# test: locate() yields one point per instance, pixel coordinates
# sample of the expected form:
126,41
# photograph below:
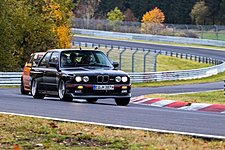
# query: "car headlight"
118,79
124,79
78,79
85,78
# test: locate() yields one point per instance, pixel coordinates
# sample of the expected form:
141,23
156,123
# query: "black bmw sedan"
81,74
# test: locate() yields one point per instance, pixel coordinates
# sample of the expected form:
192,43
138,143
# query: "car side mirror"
115,64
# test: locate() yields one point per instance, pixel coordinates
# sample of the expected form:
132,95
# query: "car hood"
93,72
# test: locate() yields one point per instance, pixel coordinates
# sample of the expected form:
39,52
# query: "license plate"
103,87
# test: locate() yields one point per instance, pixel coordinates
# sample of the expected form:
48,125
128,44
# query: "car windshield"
78,58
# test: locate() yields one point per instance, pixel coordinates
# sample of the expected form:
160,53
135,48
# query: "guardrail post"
216,30
145,59
120,58
201,31
133,59
107,53
155,61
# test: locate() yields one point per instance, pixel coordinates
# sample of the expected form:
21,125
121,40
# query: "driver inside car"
63,60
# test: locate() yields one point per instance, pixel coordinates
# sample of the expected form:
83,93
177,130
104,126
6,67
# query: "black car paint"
49,76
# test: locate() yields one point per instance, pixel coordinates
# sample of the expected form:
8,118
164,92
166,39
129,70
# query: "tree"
129,15
199,12
152,21
222,12
86,9
59,16
26,27
107,5
115,15
214,7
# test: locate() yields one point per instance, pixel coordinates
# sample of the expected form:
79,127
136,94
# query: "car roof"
61,50
39,53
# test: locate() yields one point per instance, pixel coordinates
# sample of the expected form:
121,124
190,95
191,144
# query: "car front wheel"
62,92
122,101
34,90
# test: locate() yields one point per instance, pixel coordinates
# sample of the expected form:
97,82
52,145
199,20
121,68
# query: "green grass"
212,36
167,63
33,133
213,97
10,86
164,63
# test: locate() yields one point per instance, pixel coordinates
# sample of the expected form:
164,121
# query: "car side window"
44,61
54,58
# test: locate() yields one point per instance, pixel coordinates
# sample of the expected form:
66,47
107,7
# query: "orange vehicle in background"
25,78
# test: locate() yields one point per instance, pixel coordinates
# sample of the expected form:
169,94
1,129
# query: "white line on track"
119,126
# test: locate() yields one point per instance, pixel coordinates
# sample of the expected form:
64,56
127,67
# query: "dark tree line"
176,11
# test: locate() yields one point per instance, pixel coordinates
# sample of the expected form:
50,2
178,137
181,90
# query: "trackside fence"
140,65
13,78
177,75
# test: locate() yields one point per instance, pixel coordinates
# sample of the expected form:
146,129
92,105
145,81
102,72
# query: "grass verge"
211,97
167,63
34,133
10,86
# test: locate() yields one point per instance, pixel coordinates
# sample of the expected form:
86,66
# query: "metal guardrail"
177,75
147,37
10,78
214,32
13,78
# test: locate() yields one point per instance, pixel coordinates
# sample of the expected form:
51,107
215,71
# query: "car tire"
91,100
62,92
122,101
22,90
34,90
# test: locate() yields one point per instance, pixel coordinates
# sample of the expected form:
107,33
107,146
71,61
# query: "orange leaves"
153,16
152,21
52,11
63,36
16,147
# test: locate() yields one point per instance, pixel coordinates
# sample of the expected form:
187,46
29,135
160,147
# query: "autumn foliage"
61,27
62,34
152,21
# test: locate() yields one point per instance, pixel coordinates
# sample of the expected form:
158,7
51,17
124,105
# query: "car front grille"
102,79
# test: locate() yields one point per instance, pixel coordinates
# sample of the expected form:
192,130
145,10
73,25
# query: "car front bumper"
99,96
88,92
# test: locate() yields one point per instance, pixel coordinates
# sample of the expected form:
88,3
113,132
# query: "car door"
51,73
41,70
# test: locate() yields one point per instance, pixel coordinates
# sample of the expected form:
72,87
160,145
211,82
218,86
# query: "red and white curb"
157,102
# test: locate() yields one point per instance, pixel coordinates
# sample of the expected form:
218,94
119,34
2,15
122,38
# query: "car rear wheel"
122,101
62,92
22,90
34,90
91,100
